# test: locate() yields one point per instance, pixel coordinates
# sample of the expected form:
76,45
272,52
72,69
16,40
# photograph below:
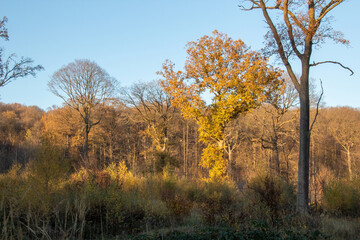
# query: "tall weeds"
114,203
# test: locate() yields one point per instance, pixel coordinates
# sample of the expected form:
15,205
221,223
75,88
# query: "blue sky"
131,39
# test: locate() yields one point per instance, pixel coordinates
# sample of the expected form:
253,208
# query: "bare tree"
153,108
12,68
343,125
84,86
274,118
292,35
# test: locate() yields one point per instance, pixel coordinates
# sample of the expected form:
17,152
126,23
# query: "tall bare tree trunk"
111,151
349,163
196,155
303,164
314,173
184,150
86,143
187,146
229,151
276,158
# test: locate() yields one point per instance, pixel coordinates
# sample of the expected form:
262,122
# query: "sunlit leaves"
235,79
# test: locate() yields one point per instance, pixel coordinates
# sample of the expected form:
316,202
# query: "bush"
178,196
270,195
218,201
342,198
49,166
164,160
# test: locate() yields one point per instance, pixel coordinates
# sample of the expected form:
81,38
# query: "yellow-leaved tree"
222,78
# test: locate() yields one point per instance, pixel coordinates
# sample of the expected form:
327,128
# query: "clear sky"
131,39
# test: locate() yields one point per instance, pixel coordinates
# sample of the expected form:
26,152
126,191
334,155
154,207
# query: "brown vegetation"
45,192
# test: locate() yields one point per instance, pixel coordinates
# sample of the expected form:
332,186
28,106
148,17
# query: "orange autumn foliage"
235,78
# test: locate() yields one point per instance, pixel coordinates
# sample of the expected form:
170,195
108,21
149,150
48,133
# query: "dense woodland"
264,140
43,150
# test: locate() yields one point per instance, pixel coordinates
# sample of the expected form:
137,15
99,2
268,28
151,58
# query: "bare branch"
290,28
255,5
12,69
331,5
333,62
317,107
280,46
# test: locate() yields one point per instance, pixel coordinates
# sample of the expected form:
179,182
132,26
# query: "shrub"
178,197
342,198
49,165
164,160
217,201
117,172
271,192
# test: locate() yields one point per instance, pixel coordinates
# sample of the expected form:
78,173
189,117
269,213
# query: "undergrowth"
40,202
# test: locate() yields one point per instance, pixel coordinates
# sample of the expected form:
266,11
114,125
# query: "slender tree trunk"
313,155
134,158
68,146
165,139
287,166
111,151
187,147
276,158
230,161
253,155
270,162
303,165
349,163
196,154
86,143
184,151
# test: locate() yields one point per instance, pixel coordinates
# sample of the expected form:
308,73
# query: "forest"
228,146
128,185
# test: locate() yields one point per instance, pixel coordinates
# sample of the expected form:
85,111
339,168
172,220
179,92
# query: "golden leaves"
225,70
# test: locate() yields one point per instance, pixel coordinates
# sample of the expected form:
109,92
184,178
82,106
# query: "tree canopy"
83,85
234,77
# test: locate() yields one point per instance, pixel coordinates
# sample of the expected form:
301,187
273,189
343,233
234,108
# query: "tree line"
263,140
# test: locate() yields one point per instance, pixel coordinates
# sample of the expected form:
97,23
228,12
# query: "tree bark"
349,163
276,157
86,143
303,164
230,150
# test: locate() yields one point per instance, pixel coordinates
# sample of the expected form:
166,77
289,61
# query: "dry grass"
113,203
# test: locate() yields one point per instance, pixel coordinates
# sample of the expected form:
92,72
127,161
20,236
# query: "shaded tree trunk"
276,157
86,142
303,164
